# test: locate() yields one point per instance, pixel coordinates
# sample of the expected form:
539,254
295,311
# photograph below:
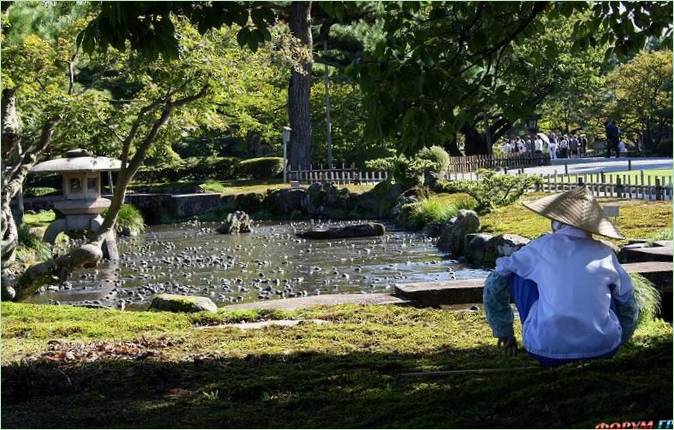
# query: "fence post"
620,188
658,189
629,164
566,168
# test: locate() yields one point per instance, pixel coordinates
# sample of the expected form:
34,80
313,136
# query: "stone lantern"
82,203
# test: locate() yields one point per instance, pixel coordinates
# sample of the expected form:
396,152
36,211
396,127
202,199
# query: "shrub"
129,221
262,168
436,155
439,208
493,190
408,173
190,169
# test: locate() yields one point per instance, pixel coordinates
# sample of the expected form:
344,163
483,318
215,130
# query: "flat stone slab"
264,324
326,299
656,253
470,290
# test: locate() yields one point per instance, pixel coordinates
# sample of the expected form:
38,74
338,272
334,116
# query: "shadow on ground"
350,390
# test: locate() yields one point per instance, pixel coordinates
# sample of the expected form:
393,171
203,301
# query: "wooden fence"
345,175
471,163
639,187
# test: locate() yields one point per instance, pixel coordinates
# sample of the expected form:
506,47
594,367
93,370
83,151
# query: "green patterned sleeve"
496,298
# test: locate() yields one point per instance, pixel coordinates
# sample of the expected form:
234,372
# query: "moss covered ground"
72,367
639,219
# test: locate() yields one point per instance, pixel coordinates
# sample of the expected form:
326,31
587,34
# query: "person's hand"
508,343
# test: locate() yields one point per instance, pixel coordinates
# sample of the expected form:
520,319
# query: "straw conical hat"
577,208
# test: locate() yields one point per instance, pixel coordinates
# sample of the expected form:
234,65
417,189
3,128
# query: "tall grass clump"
439,208
647,297
32,244
130,221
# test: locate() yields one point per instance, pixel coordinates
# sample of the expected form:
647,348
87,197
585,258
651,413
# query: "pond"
269,263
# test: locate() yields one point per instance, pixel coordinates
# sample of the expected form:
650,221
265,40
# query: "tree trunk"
476,143
299,90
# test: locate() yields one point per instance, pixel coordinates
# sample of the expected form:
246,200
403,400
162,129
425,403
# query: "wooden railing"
639,187
471,163
345,175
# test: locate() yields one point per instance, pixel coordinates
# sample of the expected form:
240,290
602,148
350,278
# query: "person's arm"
627,309
496,299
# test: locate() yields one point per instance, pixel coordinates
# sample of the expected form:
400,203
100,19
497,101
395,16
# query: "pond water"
269,263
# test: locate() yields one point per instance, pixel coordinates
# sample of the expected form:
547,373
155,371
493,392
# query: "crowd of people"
562,146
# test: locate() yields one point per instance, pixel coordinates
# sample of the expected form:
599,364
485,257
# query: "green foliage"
647,296
493,190
129,220
261,168
444,66
642,98
190,169
438,208
405,171
436,155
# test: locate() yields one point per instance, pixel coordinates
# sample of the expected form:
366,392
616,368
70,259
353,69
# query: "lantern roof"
77,160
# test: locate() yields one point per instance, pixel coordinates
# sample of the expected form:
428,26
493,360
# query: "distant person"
530,145
583,145
507,148
564,147
612,136
574,299
552,148
573,146
538,145
622,149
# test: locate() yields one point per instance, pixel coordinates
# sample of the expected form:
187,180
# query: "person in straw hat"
574,299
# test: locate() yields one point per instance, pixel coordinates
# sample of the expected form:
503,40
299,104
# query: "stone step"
656,253
466,291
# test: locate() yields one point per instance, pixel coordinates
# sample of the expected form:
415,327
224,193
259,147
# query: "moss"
343,373
40,219
638,219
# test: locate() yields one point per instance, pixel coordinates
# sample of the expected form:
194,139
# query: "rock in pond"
348,231
474,247
453,233
236,222
178,303
502,245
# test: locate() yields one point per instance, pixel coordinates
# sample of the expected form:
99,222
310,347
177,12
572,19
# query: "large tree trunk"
299,90
476,142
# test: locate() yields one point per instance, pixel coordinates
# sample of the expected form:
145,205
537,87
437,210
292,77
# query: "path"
598,164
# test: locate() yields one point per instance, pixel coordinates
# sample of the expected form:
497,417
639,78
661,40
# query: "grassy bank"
638,219
68,367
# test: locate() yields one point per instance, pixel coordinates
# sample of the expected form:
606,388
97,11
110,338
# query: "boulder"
286,201
378,201
475,245
502,245
453,233
432,229
236,222
348,231
250,202
177,303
